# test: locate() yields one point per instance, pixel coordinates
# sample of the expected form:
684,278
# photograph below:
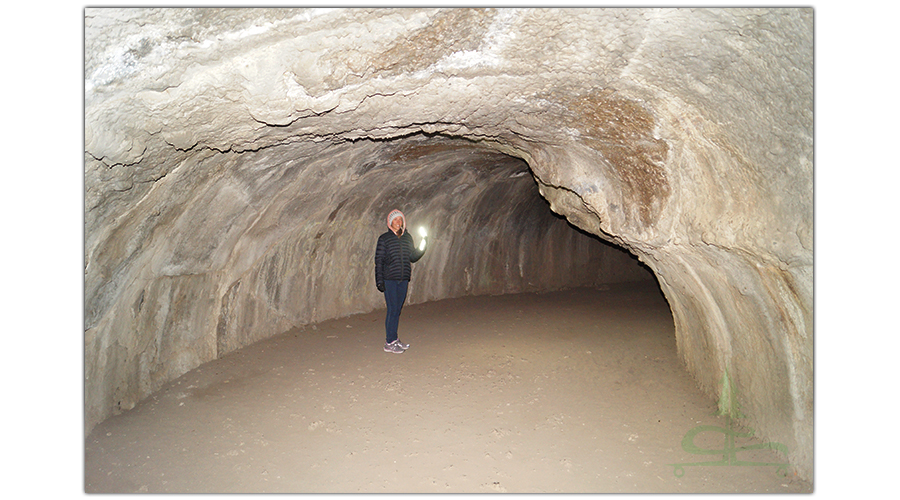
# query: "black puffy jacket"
394,256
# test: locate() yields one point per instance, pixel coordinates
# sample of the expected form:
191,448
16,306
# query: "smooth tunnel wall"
239,164
273,239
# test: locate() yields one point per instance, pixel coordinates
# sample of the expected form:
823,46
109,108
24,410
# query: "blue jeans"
394,297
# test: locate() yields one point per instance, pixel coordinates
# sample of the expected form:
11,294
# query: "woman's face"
396,224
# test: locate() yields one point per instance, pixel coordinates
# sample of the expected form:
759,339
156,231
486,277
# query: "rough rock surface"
239,164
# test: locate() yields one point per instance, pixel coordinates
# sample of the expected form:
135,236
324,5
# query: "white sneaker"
393,347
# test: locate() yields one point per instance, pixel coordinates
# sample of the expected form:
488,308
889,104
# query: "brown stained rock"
451,30
622,131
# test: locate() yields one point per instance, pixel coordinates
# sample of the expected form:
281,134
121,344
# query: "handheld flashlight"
423,233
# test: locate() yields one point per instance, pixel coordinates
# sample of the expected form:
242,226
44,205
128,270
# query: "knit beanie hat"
393,215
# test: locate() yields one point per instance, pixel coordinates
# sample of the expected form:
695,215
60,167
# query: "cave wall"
239,162
234,248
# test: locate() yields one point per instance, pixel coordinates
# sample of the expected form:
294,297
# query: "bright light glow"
422,245
422,231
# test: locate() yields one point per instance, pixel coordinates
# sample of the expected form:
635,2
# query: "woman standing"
394,255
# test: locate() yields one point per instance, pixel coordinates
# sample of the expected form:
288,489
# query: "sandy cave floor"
578,391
